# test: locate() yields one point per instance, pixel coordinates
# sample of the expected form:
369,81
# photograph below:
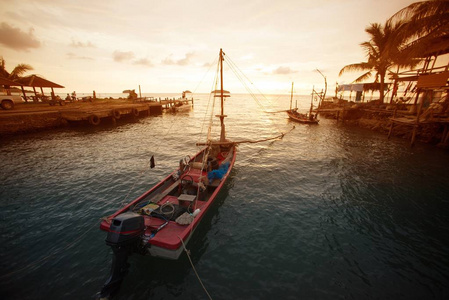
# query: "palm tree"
426,27
383,52
3,71
17,72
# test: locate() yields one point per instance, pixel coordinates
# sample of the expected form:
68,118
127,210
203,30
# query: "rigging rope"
231,62
207,72
241,76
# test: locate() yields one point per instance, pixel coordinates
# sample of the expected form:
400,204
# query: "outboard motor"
124,237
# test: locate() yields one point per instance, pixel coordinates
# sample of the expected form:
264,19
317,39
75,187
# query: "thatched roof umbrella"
7,83
37,81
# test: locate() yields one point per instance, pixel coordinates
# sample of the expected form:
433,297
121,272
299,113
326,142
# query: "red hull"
167,241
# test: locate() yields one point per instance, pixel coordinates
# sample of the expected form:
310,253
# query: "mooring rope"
193,267
267,139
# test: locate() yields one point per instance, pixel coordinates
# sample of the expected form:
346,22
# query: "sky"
171,46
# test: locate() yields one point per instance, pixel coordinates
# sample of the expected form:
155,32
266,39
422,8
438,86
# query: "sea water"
327,212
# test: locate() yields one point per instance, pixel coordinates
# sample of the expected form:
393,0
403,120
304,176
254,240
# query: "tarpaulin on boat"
219,173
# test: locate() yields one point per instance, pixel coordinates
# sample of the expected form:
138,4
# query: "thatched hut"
37,81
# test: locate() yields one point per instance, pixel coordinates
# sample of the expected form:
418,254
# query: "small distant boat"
181,107
296,116
185,94
183,104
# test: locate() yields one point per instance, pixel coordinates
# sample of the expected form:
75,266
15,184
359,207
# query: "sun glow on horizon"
96,46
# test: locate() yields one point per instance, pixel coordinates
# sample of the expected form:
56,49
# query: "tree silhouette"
383,52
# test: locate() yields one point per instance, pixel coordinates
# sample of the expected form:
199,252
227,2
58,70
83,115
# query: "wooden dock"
418,123
171,103
94,115
339,112
31,117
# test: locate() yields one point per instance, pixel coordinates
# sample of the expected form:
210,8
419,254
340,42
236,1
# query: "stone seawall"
32,117
11,124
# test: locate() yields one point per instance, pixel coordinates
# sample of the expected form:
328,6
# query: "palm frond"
363,66
363,77
19,70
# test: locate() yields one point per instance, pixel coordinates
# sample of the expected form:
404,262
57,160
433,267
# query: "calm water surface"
329,212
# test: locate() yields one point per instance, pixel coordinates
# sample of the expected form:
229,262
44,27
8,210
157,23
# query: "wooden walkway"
399,118
417,123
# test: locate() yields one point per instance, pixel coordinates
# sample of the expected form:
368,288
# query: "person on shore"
74,96
68,98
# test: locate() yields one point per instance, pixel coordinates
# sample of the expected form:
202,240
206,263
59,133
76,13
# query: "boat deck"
177,197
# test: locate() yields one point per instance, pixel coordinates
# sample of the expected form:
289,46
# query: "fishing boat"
162,220
296,116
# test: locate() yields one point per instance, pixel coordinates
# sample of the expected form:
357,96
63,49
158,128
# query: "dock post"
391,130
445,137
412,142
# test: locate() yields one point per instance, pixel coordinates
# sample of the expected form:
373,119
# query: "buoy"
116,114
94,120
135,112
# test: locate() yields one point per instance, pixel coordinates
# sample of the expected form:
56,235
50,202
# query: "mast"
291,97
323,95
222,116
311,103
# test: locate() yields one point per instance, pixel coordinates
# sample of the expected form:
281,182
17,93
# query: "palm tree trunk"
382,85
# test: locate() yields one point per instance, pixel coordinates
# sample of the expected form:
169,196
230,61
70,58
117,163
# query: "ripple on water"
327,212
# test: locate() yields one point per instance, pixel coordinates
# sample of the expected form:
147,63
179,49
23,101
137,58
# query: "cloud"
128,56
283,71
180,62
71,55
87,44
15,38
144,62
120,56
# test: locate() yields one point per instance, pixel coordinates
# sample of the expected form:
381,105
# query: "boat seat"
186,198
158,197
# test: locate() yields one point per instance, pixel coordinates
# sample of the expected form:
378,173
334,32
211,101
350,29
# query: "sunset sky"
168,46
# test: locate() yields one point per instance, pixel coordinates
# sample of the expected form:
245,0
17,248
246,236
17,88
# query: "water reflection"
328,211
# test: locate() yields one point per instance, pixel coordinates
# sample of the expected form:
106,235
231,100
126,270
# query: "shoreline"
35,117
